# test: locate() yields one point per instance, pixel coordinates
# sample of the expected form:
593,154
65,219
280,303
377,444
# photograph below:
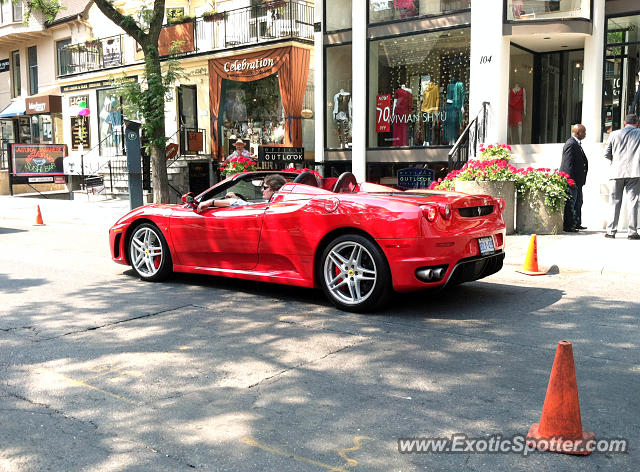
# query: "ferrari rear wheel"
355,275
149,253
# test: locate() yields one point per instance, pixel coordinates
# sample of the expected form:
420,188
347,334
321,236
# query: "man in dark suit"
574,162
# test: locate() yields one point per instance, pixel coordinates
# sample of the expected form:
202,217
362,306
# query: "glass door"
187,114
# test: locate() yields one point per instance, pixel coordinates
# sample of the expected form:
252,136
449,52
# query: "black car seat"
346,183
307,178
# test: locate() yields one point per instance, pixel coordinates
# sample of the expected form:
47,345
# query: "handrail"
459,153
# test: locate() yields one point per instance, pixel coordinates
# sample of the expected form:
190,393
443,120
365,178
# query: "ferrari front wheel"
149,253
354,273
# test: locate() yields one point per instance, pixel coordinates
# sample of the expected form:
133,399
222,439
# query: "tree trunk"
160,181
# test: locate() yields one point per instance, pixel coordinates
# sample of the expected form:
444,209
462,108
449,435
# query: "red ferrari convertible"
358,242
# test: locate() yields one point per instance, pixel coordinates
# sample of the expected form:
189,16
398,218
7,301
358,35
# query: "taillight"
445,210
501,204
430,212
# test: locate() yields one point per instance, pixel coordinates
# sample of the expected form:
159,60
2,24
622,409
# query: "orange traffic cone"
560,427
530,266
39,221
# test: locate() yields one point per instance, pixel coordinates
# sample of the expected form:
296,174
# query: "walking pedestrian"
574,162
623,150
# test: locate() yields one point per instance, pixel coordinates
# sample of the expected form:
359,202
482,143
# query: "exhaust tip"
430,274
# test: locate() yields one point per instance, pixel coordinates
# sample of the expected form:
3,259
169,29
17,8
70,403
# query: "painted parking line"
80,383
357,444
252,442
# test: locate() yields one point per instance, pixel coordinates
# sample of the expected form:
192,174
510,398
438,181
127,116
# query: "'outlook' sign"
413,178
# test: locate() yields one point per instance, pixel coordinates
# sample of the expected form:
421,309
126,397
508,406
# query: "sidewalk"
584,251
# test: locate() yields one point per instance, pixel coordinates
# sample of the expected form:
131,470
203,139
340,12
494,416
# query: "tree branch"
125,22
156,21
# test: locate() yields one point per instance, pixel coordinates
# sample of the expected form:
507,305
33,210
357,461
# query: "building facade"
245,74
403,79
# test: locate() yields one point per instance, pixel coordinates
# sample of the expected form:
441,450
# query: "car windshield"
248,188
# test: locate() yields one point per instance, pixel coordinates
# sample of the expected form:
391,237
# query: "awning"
15,108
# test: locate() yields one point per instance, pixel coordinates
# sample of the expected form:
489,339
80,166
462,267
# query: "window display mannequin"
430,104
342,109
112,124
517,107
634,107
406,8
454,109
402,106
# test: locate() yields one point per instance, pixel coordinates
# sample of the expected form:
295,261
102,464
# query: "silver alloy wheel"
146,251
350,273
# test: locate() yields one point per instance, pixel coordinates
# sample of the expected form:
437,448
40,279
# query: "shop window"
253,112
621,94
338,14
15,74
388,10
33,70
109,122
523,10
41,129
419,89
338,99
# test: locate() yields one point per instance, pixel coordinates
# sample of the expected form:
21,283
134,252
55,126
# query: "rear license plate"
486,245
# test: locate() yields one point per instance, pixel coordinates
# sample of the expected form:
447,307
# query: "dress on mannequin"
517,100
431,99
453,108
402,106
342,116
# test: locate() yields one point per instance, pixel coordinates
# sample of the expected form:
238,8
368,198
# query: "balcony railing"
271,21
532,10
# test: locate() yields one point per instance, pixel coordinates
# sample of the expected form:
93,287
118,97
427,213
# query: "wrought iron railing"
93,54
468,143
270,21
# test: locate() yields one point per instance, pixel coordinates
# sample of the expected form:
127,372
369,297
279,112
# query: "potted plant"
541,197
213,15
489,174
92,43
274,4
238,165
179,19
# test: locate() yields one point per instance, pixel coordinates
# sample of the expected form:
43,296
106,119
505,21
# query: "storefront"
415,62
258,97
44,120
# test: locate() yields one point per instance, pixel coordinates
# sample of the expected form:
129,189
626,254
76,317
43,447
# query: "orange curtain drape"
292,63
293,84
217,72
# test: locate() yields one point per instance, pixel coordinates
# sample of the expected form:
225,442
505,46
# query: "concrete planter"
498,189
532,216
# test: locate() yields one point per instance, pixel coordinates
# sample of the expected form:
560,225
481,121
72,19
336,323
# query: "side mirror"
189,199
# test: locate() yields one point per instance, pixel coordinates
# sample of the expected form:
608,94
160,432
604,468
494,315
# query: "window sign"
414,178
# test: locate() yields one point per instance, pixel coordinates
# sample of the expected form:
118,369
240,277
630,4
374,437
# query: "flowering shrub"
495,151
237,165
551,184
530,183
497,169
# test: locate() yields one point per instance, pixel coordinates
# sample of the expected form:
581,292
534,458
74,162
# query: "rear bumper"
458,255
475,268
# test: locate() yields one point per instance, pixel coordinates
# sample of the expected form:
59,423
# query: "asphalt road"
100,371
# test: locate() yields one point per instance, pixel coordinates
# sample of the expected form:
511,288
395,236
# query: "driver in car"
271,184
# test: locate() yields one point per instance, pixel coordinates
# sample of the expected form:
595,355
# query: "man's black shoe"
610,236
581,227
569,230
634,236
